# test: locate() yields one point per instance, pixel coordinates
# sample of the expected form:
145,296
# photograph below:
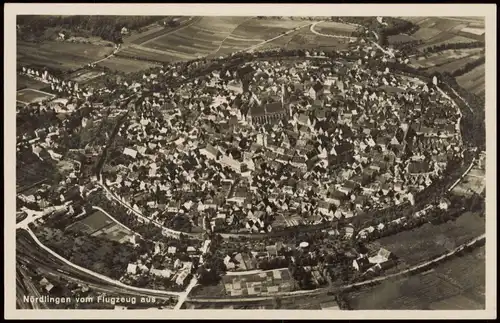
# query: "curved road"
327,289
254,47
328,35
167,231
96,275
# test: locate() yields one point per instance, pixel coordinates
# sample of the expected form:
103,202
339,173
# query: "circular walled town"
271,144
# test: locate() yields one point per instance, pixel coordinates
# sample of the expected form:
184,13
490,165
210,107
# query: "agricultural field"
441,30
155,30
473,81
255,284
195,37
456,284
420,244
321,301
28,96
456,64
334,28
30,170
400,39
443,57
125,65
305,38
198,39
268,282
99,224
254,31
475,181
85,75
59,55
24,81
146,53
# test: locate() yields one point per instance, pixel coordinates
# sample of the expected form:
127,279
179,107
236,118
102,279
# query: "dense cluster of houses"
273,143
284,142
165,263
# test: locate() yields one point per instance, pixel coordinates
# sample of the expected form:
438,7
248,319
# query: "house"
130,152
444,203
315,91
205,246
361,201
165,273
272,251
337,197
132,269
417,167
181,278
361,264
325,208
46,284
303,119
382,256
241,262
383,142
349,231
348,187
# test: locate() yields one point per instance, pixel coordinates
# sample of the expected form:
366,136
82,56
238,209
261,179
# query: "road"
194,281
345,287
328,35
229,35
89,275
167,231
116,221
32,216
184,296
116,50
191,21
254,47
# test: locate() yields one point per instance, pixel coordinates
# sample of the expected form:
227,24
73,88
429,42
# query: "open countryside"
252,162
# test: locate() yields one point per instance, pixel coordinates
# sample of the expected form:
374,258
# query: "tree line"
443,47
468,67
106,27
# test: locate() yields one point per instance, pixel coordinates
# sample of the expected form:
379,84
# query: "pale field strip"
170,32
87,76
475,31
237,38
314,31
44,96
163,51
333,25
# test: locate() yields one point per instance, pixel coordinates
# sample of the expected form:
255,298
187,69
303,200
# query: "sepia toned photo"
322,163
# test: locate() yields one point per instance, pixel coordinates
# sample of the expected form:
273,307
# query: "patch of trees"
342,301
179,223
138,58
273,263
212,270
468,67
304,278
473,122
399,26
447,46
106,27
109,258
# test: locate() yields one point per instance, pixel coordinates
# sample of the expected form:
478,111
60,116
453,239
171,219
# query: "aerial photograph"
250,162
